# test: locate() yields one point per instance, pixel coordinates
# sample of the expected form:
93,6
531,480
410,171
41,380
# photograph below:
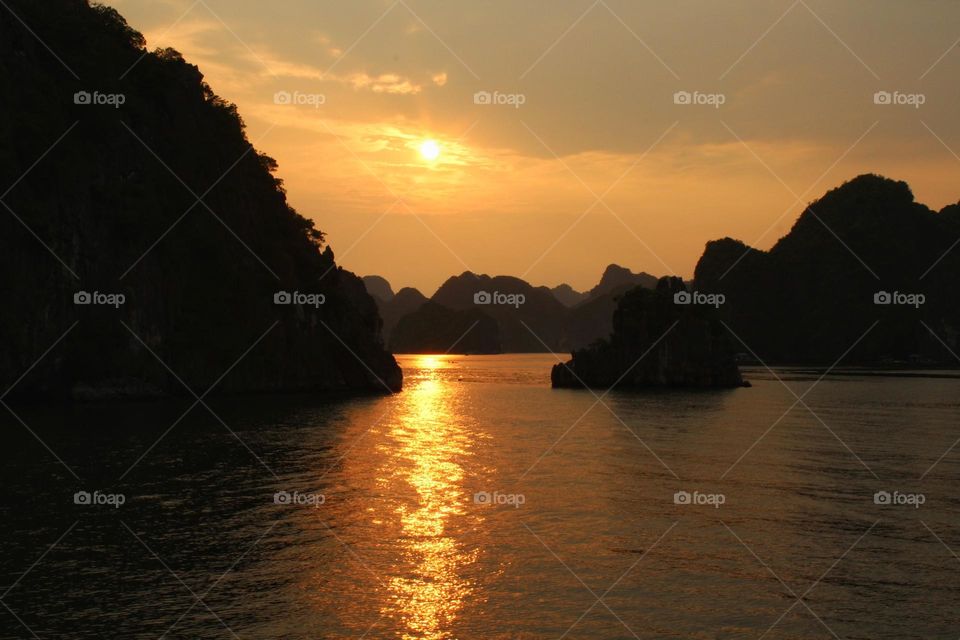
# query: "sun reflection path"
429,441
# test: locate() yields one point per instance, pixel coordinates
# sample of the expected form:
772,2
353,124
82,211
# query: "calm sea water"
479,503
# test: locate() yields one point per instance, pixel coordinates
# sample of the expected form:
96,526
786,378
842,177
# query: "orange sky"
588,158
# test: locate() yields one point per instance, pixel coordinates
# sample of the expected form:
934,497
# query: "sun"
430,150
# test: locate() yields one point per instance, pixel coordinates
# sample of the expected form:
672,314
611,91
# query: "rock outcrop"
126,175
656,343
811,298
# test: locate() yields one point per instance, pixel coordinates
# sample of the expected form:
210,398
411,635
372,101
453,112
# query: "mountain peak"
567,295
379,287
613,270
615,277
875,186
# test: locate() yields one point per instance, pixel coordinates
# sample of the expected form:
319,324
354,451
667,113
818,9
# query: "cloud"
273,65
383,83
596,97
188,35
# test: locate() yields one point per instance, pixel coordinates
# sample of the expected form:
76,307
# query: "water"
577,533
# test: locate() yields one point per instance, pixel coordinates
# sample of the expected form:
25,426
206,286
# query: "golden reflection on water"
428,442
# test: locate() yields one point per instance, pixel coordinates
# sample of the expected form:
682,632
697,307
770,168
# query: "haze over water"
479,503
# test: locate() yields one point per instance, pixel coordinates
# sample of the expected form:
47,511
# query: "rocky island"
661,338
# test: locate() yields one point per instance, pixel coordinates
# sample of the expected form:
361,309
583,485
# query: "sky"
572,134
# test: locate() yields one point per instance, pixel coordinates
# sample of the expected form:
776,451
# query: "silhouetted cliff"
655,342
128,176
812,296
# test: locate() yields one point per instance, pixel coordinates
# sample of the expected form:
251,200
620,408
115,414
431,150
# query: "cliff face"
811,297
655,343
159,197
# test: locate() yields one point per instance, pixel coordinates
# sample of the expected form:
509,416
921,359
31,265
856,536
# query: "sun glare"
430,362
430,150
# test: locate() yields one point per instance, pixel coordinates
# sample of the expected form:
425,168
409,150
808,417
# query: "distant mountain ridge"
378,287
405,302
616,278
567,295
532,323
557,319
434,328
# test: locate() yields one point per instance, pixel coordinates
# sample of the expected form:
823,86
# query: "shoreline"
946,373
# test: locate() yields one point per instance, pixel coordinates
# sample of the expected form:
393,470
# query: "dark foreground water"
479,503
